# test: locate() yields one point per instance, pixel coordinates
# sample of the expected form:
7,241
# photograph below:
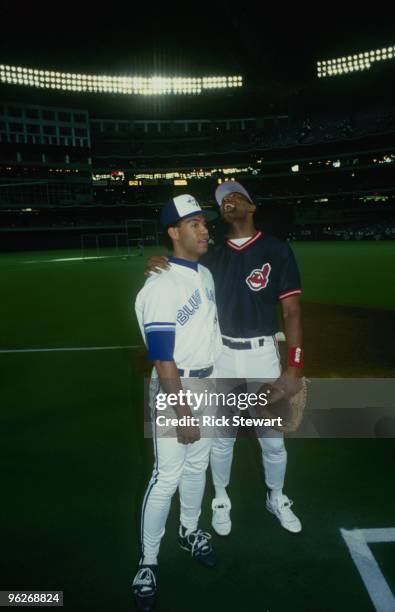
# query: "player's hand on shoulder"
155,264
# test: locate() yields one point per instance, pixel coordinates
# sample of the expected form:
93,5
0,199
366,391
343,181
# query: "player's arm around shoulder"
156,264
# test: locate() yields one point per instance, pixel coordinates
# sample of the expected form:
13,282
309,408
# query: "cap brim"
230,187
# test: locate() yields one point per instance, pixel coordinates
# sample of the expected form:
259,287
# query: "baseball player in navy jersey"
252,274
177,316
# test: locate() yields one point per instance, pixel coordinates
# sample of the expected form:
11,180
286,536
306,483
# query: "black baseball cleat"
144,588
197,543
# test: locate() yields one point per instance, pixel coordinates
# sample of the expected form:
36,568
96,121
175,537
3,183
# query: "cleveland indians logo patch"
259,278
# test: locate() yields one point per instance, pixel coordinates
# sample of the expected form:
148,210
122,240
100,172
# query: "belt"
202,373
243,345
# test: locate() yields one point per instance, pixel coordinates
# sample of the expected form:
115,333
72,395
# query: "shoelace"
145,578
200,540
286,507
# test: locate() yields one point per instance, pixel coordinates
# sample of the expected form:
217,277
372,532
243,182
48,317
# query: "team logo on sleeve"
259,278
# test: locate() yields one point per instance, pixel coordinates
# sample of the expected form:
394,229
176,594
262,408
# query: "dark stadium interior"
297,141
83,177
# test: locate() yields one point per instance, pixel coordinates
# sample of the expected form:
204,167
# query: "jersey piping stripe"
155,474
155,328
289,293
247,244
159,323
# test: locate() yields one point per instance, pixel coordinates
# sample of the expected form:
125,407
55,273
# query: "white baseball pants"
259,363
176,465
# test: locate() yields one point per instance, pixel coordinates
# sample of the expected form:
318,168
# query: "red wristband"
295,357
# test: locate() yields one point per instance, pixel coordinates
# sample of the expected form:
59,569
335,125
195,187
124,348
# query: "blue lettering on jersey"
182,318
195,300
190,308
210,295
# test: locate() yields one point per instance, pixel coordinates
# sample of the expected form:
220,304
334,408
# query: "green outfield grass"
75,464
91,301
348,273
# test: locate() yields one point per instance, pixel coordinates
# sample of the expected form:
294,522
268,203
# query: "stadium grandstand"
63,170
84,148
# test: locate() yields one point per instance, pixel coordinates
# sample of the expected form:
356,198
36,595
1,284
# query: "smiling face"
190,237
236,207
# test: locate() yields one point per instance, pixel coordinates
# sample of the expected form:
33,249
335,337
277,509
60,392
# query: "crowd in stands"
277,135
377,231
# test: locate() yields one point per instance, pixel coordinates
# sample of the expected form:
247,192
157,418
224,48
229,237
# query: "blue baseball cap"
230,187
180,207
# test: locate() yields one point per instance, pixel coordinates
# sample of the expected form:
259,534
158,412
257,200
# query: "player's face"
235,207
191,237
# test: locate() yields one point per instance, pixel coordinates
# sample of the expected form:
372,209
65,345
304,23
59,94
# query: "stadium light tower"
125,85
354,63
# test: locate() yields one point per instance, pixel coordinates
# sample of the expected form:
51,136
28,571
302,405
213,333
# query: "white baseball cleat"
281,508
221,516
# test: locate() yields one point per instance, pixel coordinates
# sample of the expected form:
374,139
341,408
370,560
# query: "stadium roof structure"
274,48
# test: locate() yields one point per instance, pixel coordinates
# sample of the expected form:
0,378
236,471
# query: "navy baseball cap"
180,207
230,187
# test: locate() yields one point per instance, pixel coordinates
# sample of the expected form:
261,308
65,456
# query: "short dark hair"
167,241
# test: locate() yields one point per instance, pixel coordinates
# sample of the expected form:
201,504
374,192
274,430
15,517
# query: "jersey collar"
193,265
247,244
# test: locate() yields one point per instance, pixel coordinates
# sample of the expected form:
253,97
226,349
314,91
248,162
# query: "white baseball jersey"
177,315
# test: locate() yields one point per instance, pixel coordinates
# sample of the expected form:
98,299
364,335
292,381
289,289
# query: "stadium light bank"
126,85
354,63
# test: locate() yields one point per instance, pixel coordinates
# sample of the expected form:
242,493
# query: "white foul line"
63,259
357,542
69,349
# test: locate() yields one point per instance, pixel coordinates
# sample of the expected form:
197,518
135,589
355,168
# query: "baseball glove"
287,399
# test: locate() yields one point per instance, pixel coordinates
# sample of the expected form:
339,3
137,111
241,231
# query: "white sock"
188,530
147,560
275,494
220,493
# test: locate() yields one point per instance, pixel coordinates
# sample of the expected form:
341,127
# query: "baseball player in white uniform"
177,315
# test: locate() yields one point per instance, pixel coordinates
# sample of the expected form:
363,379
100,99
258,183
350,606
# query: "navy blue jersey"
249,281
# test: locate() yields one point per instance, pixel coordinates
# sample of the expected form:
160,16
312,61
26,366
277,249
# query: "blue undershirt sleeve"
161,344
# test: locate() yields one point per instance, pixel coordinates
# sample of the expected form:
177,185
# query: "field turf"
75,464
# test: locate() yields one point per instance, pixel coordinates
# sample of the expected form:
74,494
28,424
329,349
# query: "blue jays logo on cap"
180,207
